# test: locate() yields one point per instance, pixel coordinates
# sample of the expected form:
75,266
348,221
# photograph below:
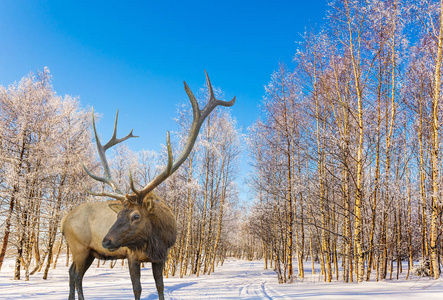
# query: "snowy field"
236,279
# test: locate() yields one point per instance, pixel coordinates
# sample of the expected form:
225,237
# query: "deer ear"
116,207
148,204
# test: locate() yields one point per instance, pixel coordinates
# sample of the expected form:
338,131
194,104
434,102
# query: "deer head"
140,211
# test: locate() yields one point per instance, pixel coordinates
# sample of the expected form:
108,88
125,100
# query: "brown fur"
93,230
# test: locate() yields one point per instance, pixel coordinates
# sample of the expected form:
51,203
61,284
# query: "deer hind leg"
76,273
71,282
157,271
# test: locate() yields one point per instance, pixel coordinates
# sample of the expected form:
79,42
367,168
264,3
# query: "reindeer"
138,226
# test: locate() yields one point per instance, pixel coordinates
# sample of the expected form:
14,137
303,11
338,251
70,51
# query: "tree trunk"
7,230
435,202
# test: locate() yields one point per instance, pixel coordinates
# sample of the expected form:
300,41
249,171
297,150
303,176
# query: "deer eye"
135,217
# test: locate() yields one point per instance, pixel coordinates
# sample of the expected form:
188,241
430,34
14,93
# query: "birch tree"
42,137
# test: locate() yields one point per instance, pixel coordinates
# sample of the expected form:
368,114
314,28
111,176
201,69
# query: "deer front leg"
157,271
134,271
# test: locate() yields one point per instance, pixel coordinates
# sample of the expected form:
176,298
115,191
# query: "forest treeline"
347,156
346,159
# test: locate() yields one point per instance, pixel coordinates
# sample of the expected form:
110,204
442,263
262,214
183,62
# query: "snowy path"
235,280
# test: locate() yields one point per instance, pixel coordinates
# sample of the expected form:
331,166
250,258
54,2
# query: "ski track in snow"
237,279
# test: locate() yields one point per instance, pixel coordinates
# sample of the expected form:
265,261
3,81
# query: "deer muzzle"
109,244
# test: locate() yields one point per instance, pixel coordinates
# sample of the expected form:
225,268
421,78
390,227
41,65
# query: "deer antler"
199,115
198,118
117,193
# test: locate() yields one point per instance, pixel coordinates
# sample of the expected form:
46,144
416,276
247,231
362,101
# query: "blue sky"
134,55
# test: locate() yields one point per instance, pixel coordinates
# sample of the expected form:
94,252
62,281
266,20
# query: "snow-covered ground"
236,279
